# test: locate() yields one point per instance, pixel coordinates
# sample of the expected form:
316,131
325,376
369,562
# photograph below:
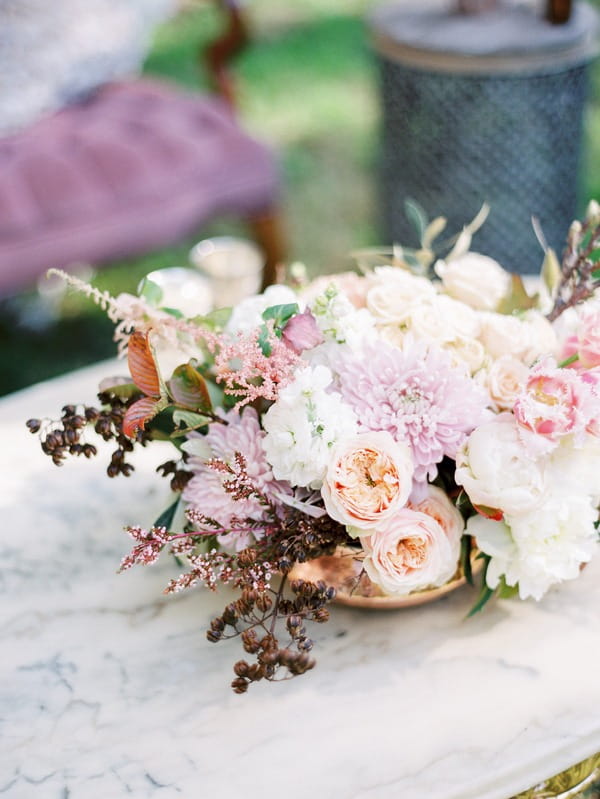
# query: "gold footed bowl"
344,571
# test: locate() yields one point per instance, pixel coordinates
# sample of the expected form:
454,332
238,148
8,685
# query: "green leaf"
151,292
188,388
484,597
189,419
417,217
486,592
124,389
166,517
466,544
281,314
507,591
263,341
173,312
215,320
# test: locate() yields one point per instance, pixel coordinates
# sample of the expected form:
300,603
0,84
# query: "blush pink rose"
410,551
368,479
555,402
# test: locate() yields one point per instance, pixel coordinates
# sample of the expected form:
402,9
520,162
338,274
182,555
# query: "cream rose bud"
369,477
505,380
475,279
409,551
496,471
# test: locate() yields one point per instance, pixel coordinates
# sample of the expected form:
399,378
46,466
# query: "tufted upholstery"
134,167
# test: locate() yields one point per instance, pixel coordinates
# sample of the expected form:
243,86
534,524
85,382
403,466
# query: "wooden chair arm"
218,54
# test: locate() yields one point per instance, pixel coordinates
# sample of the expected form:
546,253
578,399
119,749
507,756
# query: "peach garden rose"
438,505
408,552
368,479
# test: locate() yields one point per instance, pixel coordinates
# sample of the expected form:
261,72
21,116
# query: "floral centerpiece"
419,417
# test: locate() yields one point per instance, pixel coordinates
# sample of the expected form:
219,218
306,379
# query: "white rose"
460,318
475,279
541,336
408,552
505,379
466,351
425,321
495,470
393,290
504,335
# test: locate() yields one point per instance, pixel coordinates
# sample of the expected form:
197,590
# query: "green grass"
307,85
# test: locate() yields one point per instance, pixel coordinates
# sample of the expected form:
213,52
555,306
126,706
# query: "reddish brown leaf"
138,414
188,389
141,364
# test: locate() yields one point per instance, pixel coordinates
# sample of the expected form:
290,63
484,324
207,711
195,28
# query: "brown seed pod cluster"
64,437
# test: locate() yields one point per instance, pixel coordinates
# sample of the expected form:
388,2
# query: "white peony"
575,469
541,548
496,471
474,279
247,314
303,425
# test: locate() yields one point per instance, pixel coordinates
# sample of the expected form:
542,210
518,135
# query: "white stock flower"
495,470
247,314
474,279
303,425
340,323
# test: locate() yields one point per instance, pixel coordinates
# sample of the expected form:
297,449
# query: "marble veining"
109,689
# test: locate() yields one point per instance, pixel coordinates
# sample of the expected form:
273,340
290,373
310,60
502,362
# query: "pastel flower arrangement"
423,414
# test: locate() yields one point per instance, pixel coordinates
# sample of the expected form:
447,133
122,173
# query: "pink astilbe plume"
417,395
246,372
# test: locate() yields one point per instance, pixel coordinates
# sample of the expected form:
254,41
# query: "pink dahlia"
417,395
205,493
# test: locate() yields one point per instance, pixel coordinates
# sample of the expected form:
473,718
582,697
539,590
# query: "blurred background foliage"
308,85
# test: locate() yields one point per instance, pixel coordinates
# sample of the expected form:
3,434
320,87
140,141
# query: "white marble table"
109,689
